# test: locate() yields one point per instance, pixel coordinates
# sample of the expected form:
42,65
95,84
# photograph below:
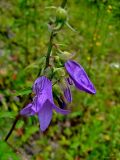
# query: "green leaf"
23,92
6,152
7,114
76,114
36,64
70,27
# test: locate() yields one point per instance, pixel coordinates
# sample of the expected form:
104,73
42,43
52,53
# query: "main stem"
50,45
49,49
63,3
13,126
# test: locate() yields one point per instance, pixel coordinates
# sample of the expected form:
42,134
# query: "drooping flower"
69,80
62,85
42,104
67,92
79,77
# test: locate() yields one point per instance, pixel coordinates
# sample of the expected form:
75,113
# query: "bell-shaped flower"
42,104
62,93
67,92
79,77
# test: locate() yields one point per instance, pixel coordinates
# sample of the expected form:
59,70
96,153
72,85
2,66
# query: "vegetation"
92,130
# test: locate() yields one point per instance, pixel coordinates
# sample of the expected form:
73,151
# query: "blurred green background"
92,130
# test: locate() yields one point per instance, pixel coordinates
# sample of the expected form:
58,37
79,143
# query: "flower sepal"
61,15
58,73
64,56
57,90
57,61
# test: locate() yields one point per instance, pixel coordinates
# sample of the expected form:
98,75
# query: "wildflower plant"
58,73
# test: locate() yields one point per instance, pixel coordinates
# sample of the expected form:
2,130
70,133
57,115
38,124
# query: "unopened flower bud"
57,61
57,90
57,58
64,56
58,73
58,95
61,15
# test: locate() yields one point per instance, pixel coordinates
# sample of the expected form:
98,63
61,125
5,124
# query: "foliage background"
92,130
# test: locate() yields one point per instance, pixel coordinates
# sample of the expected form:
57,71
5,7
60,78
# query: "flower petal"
38,85
67,94
37,103
64,85
79,77
45,115
61,102
43,89
69,80
27,111
59,110
42,84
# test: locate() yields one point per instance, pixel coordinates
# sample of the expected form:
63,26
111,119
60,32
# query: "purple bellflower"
67,92
79,77
42,104
67,96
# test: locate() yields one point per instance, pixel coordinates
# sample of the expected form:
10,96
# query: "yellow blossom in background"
107,137
88,58
110,7
98,44
110,27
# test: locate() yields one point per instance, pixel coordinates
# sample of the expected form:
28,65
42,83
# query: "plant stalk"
50,45
63,3
51,40
13,126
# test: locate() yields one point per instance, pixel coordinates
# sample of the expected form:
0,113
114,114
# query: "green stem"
18,116
50,45
13,126
51,40
49,50
63,3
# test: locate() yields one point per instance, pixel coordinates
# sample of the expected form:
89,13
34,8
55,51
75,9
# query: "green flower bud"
64,56
61,15
57,89
58,73
57,58
57,61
